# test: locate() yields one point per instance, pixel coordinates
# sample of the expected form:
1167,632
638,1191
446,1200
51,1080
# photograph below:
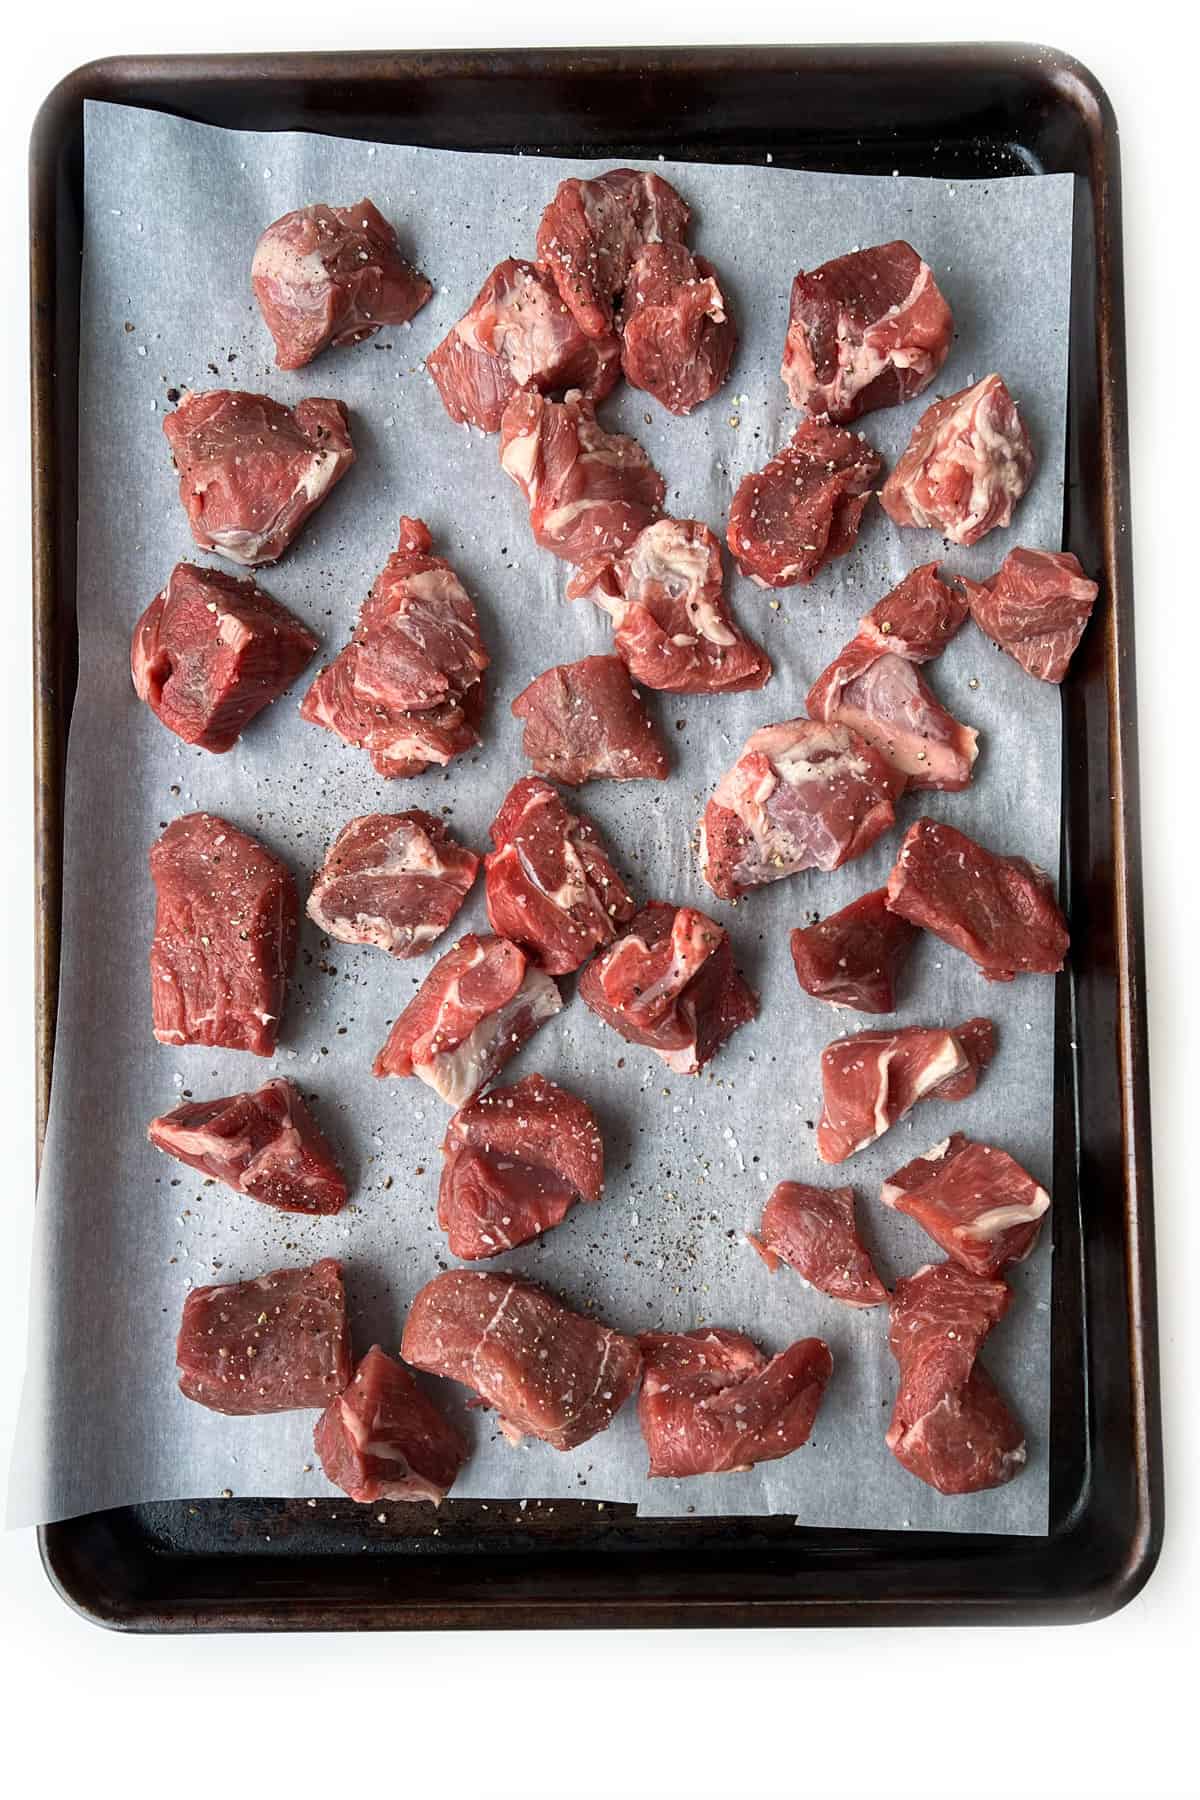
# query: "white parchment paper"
173,211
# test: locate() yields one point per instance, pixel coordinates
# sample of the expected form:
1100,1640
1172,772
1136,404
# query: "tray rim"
1070,84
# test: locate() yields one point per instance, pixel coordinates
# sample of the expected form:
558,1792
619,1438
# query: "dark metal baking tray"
952,111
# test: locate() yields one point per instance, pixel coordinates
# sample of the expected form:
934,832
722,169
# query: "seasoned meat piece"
866,330
408,687
251,470
517,1160
384,1439
518,333
593,232
885,699
265,1144
671,625
1000,910
670,983
590,491
210,652
975,1201
279,1343
852,957
677,336
1036,607
585,721
801,795
549,1372
804,508
872,1079
332,275
224,936
917,619
550,886
712,1404
392,879
950,1427
814,1231
968,462
474,1010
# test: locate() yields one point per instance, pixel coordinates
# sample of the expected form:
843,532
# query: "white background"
1104,1709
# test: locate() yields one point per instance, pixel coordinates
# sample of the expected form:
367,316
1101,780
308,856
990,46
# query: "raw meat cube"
265,1144
474,1010
712,1404
968,462
866,330
384,1439
950,1426
814,1231
279,1343
917,619
885,699
852,957
1036,607
550,886
872,1079
670,983
804,508
225,932
590,491
1000,910
408,687
392,879
518,333
332,275
677,336
672,626
802,795
585,721
975,1201
210,652
251,470
517,1160
593,232
549,1372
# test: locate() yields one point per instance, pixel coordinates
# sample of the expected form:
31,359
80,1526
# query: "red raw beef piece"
408,687
225,933
670,983
332,275
802,795
671,625
874,1078
712,1404
549,1372
917,619
884,698
814,1231
518,333
950,1426
383,1439
968,462
677,336
1036,607
804,508
550,886
279,1343
210,652
585,721
852,957
265,1144
251,470
517,1160
474,1010
866,330
395,880
593,232
590,491
1000,910
975,1201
